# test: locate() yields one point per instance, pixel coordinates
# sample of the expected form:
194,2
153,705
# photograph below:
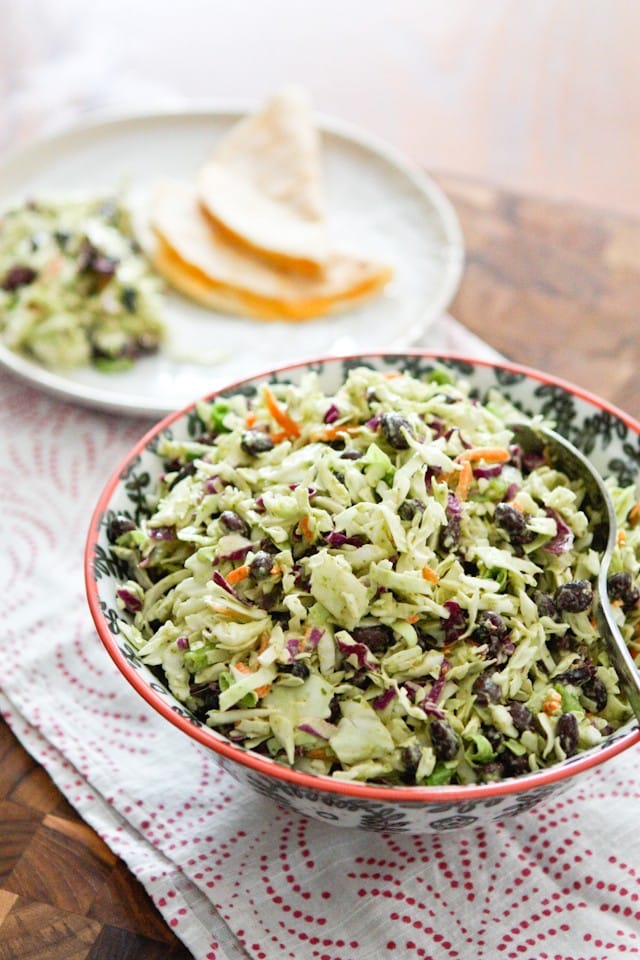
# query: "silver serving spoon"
537,439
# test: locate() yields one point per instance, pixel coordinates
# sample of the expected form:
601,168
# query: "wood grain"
551,285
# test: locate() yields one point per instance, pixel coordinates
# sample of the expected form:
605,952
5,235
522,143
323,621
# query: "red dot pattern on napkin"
556,882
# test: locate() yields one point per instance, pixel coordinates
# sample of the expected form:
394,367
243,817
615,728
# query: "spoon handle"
621,658
574,463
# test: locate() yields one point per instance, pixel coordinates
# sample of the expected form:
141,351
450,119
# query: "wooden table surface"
549,285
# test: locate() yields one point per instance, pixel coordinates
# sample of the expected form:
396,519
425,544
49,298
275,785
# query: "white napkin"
234,875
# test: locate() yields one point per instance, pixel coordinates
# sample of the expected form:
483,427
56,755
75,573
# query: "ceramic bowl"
610,438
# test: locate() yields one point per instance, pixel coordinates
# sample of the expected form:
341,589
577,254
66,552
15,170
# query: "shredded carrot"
392,375
260,692
318,753
465,480
264,643
275,570
490,454
290,426
413,618
223,611
429,574
279,436
518,506
52,268
552,703
240,573
634,514
621,538
333,432
305,529
250,419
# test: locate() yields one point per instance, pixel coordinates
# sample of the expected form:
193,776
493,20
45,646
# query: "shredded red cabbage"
336,539
223,582
384,699
487,472
318,728
563,539
512,491
456,623
332,414
162,533
214,484
130,601
360,651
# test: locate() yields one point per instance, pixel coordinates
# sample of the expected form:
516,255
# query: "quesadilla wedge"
197,259
263,185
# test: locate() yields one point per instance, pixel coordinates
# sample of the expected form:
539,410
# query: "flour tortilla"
197,259
263,185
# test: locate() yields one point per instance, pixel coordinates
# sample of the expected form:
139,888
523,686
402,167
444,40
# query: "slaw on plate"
75,288
377,585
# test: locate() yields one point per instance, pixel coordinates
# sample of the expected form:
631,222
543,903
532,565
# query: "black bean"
486,690
394,427
410,757
491,772
129,298
494,737
514,765
546,606
521,716
208,693
514,523
631,600
261,565
267,601
233,522
450,535
578,674
568,733
296,669
620,586
351,455
335,711
428,641
187,470
18,276
593,695
119,525
377,637
409,508
444,741
574,597
255,442
489,626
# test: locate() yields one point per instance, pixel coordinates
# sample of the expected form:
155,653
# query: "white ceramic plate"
377,205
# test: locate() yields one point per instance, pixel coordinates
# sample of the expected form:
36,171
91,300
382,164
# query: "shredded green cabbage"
75,288
377,585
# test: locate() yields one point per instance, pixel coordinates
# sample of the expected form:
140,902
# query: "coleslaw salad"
369,585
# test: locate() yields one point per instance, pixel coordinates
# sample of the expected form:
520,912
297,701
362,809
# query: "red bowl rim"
315,782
